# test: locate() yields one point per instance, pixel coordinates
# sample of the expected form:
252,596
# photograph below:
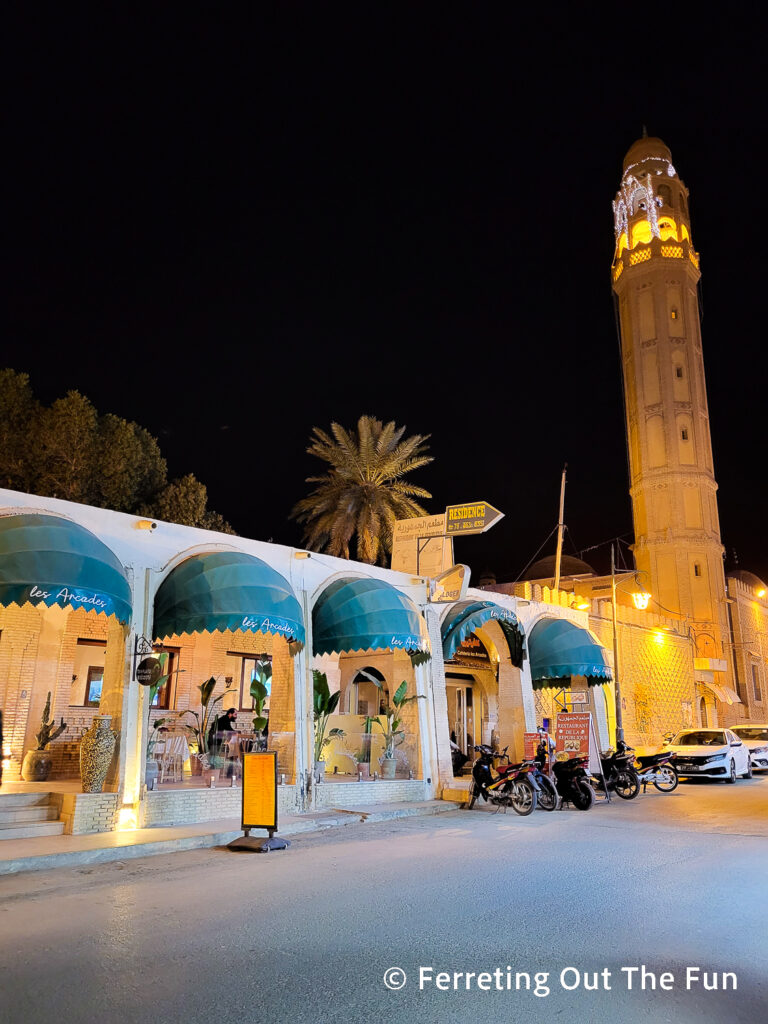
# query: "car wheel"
748,773
732,777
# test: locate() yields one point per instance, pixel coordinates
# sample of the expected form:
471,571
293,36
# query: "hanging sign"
260,791
148,671
471,651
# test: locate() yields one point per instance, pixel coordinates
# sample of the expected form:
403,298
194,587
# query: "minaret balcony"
656,249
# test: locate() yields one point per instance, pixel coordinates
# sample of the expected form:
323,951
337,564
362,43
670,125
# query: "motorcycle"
573,784
618,776
515,786
656,768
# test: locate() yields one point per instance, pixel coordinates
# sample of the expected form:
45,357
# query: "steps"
28,815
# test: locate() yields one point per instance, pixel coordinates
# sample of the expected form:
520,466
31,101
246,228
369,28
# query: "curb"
337,817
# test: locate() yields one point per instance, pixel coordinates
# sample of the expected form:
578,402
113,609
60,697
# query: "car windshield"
704,738
751,734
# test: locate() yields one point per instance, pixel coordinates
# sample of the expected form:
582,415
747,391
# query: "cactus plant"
48,729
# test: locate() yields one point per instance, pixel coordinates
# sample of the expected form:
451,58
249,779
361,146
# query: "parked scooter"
515,786
618,775
656,768
573,782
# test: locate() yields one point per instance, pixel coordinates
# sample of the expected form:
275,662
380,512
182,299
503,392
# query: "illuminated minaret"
672,483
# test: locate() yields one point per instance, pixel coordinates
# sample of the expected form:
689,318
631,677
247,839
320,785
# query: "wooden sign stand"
259,806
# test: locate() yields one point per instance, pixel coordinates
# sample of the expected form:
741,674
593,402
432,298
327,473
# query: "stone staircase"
28,815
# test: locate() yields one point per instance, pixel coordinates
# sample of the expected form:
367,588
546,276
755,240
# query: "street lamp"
640,599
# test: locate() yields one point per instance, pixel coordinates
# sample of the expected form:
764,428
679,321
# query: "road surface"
667,881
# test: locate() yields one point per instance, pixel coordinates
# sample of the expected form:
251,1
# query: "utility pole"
617,688
560,530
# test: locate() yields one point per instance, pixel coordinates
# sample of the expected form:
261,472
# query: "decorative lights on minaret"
655,274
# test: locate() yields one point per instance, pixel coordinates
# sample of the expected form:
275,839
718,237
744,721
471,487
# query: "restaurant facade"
89,597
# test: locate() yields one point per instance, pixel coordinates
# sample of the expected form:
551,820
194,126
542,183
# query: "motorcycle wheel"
472,795
547,798
627,784
522,797
667,780
583,796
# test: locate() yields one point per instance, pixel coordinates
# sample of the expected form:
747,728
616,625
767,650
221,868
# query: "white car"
710,754
754,735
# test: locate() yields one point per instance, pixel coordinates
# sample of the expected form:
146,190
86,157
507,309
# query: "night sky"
231,229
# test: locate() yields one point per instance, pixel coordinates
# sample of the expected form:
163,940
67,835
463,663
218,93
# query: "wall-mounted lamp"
302,554
640,599
145,524
580,604
761,592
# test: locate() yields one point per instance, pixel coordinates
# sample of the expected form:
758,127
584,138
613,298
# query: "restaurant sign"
471,651
576,737
148,671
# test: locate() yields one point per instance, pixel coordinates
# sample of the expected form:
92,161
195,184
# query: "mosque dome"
544,569
647,149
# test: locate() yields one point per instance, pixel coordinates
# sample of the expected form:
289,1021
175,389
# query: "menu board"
260,790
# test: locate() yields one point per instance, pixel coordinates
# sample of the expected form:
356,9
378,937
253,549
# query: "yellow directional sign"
476,517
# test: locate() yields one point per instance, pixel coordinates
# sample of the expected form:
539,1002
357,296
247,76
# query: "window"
163,696
673,314
696,569
88,673
93,686
366,697
756,682
241,669
679,372
684,434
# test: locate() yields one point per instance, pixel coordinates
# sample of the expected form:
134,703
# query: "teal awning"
48,560
227,590
464,617
560,649
361,614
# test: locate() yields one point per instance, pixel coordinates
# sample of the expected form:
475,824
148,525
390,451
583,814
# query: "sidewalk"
73,851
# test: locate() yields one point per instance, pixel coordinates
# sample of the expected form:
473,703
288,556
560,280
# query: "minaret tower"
672,483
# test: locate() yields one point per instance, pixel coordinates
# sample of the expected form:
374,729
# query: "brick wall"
186,806
87,812
357,794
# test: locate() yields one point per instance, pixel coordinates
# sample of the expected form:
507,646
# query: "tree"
69,451
19,412
363,492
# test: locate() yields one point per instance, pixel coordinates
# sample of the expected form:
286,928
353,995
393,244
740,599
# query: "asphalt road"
667,881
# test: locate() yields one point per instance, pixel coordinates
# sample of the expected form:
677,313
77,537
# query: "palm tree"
363,492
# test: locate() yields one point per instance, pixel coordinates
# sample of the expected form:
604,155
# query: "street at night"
666,881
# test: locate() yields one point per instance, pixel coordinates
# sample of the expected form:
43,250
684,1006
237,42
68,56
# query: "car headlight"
715,757
759,750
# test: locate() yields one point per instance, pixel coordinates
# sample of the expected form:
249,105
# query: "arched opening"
65,603
230,625
368,639
703,713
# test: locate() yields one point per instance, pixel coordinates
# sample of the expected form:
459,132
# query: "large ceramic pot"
388,766
37,765
96,749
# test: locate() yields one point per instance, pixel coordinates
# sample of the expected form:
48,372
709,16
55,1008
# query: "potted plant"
201,728
390,727
363,762
325,704
37,764
260,692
